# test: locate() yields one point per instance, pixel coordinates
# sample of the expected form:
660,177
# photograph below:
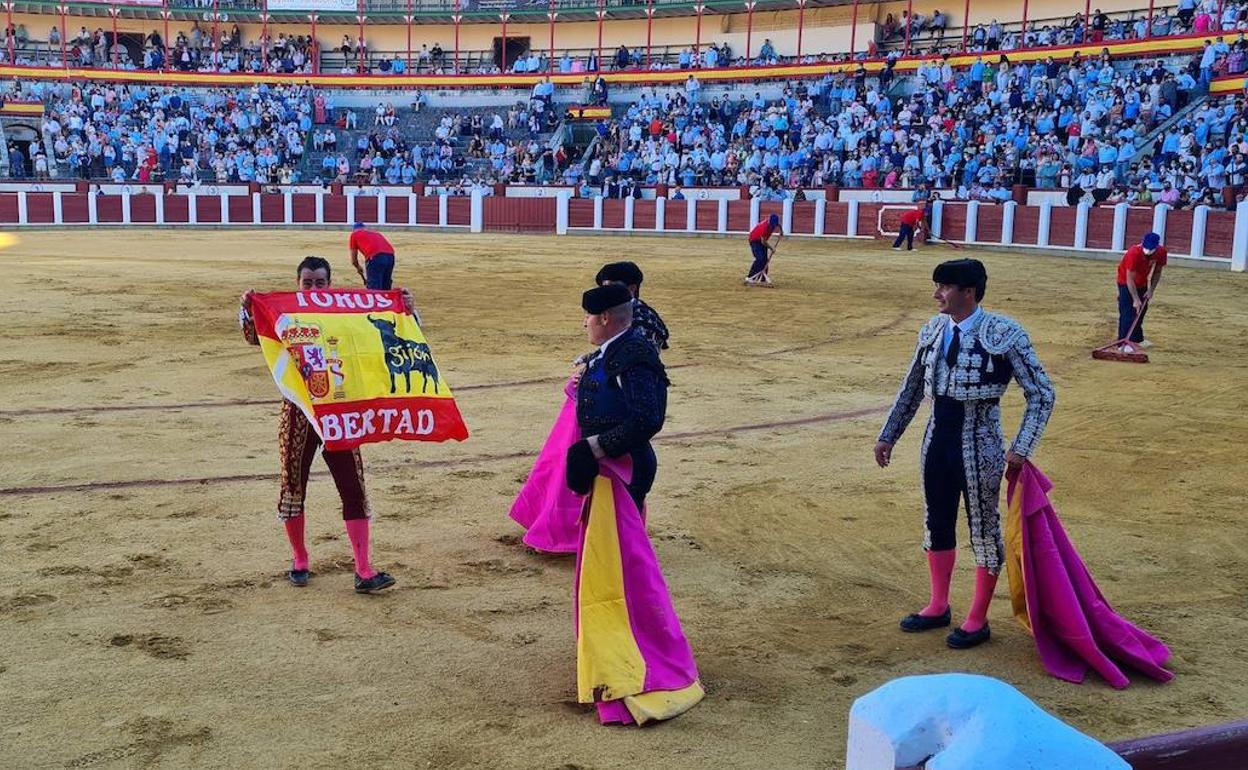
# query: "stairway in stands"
418,127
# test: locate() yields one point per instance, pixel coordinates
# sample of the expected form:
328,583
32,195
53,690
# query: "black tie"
951,355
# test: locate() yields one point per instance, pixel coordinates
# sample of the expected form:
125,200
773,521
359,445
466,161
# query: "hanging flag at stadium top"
357,365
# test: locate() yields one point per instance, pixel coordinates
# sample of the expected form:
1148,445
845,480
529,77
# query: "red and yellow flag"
358,366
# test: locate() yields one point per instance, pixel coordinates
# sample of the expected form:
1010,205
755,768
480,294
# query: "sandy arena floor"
144,620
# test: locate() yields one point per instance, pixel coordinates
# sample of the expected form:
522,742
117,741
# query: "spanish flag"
358,366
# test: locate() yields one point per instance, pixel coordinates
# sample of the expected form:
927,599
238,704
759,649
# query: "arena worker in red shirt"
1139,272
762,248
911,221
378,270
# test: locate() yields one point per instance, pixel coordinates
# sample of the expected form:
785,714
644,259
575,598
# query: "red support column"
601,14
649,29
503,49
216,29
8,25
697,37
264,30
164,14
801,22
359,44
316,47
457,17
966,22
1022,43
407,19
749,28
1148,25
112,49
1087,19
909,23
64,11
550,59
853,30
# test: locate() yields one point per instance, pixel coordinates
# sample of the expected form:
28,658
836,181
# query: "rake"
1114,352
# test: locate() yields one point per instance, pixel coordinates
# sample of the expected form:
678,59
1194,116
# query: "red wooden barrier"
177,207
303,208
1062,226
366,209
674,215
706,218
273,208
643,214
396,209
142,209
1100,227
108,209
517,215
459,212
1026,225
208,209
953,222
1178,238
739,216
613,213
836,218
580,212
427,210
39,208
1139,221
239,208
1219,234
74,209
804,217
988,228
335,212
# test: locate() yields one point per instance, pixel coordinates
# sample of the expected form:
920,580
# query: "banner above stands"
1159,46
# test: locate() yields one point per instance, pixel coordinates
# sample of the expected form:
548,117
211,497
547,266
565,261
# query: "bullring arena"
157,166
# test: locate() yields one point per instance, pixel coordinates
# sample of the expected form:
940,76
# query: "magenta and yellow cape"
632,659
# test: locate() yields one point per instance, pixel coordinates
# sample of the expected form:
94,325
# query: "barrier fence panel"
1203,234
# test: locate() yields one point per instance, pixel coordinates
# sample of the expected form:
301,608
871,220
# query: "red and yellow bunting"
1159,46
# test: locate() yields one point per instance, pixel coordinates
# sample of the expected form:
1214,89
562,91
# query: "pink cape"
632,658
1074,626
545,506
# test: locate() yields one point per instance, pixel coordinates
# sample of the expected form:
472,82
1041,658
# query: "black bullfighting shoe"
298,577
378,582
914,622
965,640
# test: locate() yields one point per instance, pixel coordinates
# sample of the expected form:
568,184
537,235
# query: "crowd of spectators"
138,133
476,147
979,130
1074,125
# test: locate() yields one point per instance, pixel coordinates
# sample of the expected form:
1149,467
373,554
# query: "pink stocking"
357,533
299,551
940,569
985,583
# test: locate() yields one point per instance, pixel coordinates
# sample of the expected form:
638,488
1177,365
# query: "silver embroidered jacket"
994,351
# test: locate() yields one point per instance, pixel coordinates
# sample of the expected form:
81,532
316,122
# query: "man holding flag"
298,441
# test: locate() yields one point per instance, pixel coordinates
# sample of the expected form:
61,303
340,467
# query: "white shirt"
965,325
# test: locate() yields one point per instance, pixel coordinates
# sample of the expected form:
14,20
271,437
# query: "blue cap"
1151,241
774,219
357,226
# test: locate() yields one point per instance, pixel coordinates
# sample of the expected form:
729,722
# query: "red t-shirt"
762,231
1136,260
912,217
370,243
